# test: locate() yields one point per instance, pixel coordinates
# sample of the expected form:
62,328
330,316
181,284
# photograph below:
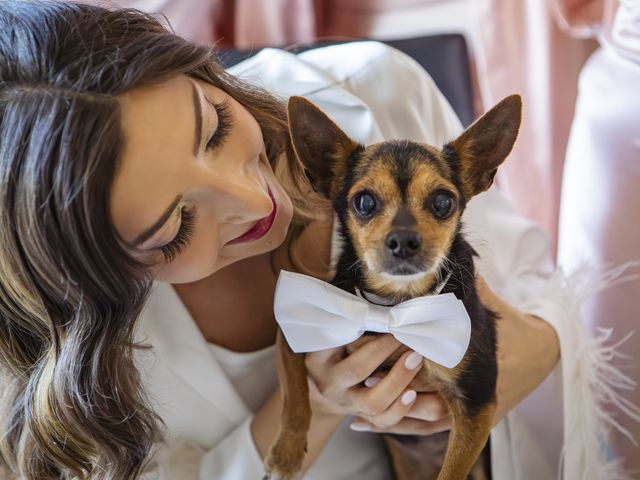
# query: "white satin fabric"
600,206
373,92
624,32
315,315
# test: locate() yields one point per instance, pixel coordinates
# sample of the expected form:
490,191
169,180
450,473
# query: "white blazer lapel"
180,346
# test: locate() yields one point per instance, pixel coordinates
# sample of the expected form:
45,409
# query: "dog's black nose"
403,243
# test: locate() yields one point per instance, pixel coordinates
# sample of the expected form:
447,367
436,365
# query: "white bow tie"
315,315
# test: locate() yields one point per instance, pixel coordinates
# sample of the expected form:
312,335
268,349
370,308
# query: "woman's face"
194,188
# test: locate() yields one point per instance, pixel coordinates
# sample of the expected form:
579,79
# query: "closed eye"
182,238
225,124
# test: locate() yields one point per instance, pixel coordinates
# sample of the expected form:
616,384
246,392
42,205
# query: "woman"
601,175
149,196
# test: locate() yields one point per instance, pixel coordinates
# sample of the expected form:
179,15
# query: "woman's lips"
260,228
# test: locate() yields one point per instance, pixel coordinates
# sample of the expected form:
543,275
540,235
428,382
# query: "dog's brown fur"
403,178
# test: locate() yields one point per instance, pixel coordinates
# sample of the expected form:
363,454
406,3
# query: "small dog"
399,206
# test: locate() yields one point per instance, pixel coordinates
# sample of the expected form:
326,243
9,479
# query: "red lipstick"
260,228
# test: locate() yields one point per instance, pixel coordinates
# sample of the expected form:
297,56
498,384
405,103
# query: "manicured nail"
413,360
408,397
371,381
359,427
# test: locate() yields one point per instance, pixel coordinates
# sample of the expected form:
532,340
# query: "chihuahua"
398,207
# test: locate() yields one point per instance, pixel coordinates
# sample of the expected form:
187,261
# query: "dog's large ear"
319,144
483,146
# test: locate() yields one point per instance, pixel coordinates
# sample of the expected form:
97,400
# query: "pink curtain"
274,22
240,23
519,49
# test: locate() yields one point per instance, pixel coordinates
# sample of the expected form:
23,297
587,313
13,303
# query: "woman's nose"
243,199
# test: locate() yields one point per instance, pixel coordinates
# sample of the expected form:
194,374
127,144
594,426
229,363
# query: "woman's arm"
528,350
241,453
266,423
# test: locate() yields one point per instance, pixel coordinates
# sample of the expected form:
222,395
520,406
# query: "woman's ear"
321,146
483,146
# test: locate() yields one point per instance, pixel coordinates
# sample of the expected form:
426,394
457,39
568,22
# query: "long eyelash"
225,122
182,238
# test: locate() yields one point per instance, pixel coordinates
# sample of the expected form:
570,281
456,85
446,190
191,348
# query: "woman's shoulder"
331,66
343,60
336,61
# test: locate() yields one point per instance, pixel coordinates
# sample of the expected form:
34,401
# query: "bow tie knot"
314,315
377,319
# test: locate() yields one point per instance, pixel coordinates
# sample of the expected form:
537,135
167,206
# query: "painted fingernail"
413,360
359,427
408,397
371,381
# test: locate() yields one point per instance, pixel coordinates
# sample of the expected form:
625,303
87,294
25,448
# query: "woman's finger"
322,358
395,412
355,368
431,387
430,407
375,400
406,426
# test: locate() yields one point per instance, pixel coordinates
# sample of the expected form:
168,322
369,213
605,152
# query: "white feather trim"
591,381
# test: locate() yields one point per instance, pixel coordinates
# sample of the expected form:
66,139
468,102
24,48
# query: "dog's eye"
364,204
442,205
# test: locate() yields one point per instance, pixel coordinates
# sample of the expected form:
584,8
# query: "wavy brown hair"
71,402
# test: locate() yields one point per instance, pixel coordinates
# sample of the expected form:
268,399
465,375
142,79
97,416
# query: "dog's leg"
286,454
466,440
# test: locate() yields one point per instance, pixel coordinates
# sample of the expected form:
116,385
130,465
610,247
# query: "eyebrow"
149,232
198,115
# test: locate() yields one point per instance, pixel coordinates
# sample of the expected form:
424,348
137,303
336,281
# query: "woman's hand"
528,350
335,382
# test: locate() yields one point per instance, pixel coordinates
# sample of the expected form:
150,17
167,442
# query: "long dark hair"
71,404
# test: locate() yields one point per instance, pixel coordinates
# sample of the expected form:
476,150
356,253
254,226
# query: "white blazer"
373,92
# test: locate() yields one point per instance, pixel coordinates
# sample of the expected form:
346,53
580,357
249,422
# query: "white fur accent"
590,380
337,243
368,261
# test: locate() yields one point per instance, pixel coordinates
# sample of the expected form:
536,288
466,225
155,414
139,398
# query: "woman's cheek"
283,220
205,257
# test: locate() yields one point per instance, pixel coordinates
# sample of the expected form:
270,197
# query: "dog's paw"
285,458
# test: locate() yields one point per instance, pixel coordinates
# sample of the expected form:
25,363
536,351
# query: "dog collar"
388,301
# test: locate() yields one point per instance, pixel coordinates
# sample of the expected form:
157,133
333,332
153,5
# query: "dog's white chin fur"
403,279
